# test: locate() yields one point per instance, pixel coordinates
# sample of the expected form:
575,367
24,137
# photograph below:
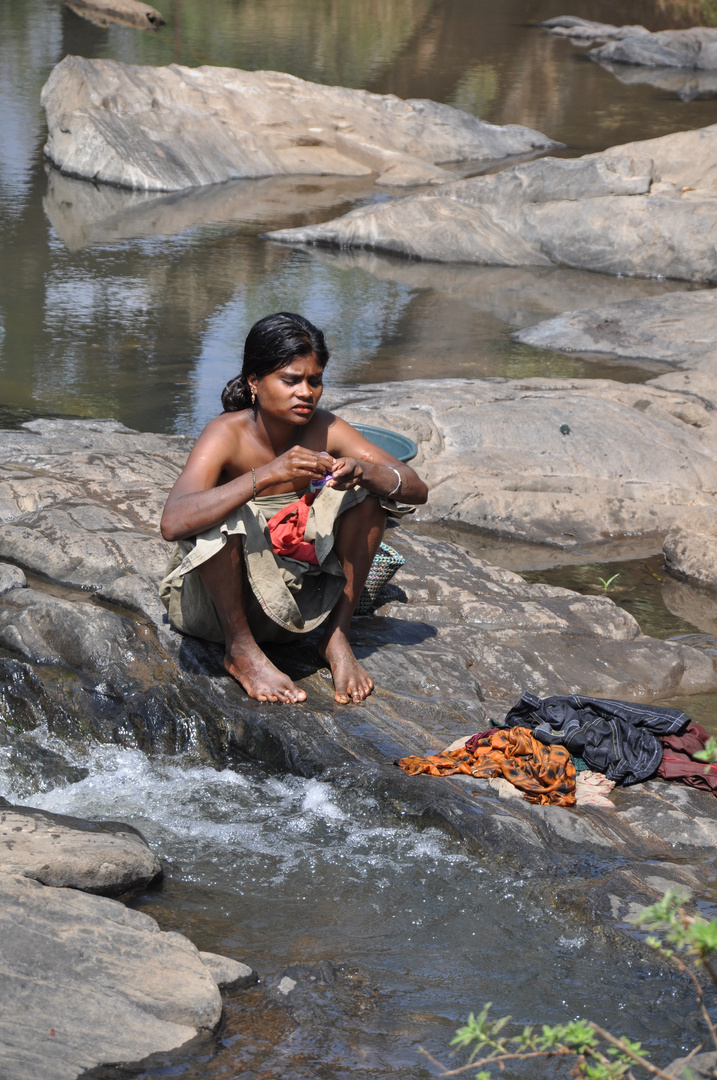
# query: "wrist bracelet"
398,485
253,481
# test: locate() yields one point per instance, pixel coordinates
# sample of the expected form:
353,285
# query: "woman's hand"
346,473
296,464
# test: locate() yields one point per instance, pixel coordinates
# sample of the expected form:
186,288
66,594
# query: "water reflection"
135,306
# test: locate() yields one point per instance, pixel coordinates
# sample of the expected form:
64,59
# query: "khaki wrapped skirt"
287,597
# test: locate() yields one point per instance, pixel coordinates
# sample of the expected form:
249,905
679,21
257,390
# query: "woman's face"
290,393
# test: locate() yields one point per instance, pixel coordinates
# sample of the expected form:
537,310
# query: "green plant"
596,1054
606,584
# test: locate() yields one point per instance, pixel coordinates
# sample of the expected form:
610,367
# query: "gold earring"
253,398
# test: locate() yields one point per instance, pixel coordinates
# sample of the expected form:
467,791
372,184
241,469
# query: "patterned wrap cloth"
545,774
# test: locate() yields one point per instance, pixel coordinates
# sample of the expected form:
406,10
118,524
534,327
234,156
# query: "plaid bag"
385,563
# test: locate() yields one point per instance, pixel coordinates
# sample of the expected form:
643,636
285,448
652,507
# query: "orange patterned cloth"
545,774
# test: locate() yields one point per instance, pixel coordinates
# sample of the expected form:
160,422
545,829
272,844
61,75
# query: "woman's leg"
358,537
224,576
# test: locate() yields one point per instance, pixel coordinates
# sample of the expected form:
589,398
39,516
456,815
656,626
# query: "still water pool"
119,304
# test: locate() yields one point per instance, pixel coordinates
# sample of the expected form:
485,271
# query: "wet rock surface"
88,980
640,209
165,129
68,852
453,644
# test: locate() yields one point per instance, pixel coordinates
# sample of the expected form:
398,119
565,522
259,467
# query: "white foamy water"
280,870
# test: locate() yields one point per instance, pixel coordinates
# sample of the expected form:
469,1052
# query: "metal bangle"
398,485
253,481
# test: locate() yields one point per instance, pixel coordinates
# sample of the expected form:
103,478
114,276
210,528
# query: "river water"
114,304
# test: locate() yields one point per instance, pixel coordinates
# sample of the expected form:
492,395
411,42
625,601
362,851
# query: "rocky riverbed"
87,656
87,650
86,979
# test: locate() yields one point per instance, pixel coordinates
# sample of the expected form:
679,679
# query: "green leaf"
709,754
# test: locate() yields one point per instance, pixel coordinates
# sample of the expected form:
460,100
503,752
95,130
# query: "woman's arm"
198,501
361,462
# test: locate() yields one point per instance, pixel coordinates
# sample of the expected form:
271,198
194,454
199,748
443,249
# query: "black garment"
618,738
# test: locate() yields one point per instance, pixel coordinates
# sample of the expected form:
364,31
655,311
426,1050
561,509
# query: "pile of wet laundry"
567,750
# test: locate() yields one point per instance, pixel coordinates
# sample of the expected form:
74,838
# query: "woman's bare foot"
351,681
259,677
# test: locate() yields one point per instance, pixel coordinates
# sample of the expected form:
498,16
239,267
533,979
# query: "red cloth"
287,529
677,761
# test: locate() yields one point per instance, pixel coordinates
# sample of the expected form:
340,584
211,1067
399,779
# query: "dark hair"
273,343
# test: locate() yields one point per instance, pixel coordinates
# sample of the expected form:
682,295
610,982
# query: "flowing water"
277,871
118,304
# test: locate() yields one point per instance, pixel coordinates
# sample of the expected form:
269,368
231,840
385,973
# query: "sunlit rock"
679,329
170,128
118,12
88,981
496,456
691,548
640,209
66,852
695,47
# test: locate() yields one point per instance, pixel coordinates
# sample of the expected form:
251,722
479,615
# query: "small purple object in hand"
315,485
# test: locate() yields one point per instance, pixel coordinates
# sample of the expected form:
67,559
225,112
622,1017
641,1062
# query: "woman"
232,578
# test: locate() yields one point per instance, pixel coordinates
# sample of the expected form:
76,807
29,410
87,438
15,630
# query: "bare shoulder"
220,440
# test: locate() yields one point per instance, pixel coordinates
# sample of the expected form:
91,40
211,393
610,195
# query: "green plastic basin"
400,446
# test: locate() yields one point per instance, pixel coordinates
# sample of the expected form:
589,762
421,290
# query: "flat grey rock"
695,47
690,548
228,973
170,128
495,455
641,209
679,329
11,577
71,853
692,48
87,981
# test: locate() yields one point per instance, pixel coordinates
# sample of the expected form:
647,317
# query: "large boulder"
107,858
644,209
88,981
169,128
690,548
679,329
558,461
